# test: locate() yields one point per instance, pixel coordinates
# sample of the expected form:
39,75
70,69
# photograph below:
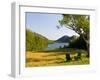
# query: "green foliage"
34,41
78,23
78,43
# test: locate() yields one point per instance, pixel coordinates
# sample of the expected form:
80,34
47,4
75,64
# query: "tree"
79,24
78,43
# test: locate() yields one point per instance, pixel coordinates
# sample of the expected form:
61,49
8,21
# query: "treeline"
78,43
35,41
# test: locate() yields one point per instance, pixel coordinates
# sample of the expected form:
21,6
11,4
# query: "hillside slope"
35,41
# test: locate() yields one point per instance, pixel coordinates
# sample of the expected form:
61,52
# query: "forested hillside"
35,41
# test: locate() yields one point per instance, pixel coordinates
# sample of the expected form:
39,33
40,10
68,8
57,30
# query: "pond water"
56,45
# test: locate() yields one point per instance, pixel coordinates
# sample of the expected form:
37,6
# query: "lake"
56,45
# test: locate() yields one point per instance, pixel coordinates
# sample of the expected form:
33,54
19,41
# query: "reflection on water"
56,45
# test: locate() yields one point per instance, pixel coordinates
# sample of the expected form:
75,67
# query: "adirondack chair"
78,56
68,57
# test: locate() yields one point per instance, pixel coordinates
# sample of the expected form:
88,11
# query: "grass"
52,58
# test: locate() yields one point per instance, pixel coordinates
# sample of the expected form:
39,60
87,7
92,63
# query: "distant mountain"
64,39
67,38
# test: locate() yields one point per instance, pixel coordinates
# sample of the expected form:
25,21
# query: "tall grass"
50,58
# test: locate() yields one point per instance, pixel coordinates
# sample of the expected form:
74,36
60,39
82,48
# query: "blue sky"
45,24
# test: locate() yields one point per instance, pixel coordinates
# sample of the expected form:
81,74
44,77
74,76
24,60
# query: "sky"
45,24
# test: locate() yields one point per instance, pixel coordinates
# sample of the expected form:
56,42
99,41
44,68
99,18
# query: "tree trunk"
88,50
87,45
